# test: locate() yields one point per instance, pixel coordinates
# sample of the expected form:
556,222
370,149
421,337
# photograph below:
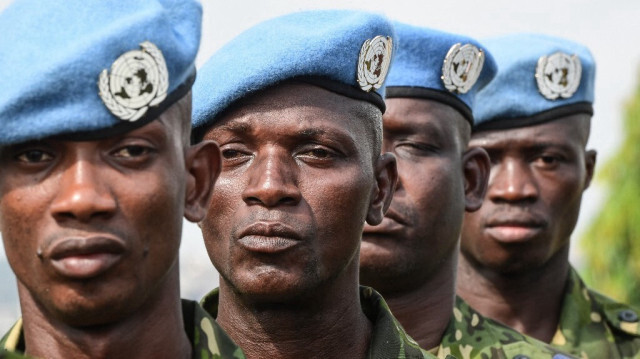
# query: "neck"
425,310
329,323
518,299
155,330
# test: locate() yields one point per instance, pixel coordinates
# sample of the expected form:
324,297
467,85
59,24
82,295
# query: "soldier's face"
297,182
92,229
538,174
420,232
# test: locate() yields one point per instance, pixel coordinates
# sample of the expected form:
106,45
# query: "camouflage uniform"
388,339
208,340
470,335
594,326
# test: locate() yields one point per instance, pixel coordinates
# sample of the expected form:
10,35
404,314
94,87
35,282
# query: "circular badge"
373,62
558,75
138,79
462,67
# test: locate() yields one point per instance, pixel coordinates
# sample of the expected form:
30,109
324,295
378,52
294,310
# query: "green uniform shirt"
208,340
594,326
388,339
470,335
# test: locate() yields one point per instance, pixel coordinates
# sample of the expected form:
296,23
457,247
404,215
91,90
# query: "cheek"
154,210
221,215
22,219
339,207
437,193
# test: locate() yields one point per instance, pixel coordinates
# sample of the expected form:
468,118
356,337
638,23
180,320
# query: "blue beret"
540,78
53,54
321,47
439,66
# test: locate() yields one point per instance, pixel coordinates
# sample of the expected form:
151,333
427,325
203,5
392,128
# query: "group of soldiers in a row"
331,159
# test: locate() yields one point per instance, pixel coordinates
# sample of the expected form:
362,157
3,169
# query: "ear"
203,168
590,165
386,179
476,167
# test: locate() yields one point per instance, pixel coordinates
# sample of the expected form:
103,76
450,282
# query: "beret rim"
505,123
374,98
431,94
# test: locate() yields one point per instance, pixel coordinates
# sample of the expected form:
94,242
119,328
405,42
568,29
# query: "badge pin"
558,75
138,79
373,62
462,67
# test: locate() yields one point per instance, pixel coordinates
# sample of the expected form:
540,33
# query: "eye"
132,151
418,148
230,154
234,154
34,156
548,160
318,153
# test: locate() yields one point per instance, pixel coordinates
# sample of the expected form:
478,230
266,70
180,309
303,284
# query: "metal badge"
374,61
462,67
138,79
558,75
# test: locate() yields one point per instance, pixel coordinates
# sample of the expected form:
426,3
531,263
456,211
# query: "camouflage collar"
471,335
592,325
208,340
388,339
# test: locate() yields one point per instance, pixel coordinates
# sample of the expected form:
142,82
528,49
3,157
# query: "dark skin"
515,249
411,256
92,231
301,173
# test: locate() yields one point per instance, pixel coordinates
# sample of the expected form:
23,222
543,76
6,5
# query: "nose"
512,181
83,195
272,181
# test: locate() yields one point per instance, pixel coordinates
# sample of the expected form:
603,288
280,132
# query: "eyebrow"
236,127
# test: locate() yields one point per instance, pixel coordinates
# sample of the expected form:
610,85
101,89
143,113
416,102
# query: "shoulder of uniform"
620,316
13,340
474,334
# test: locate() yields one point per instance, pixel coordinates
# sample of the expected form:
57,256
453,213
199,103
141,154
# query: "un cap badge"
558,75
462,67
373,62
138,79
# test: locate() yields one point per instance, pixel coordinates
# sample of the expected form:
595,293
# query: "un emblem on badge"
138,79
373,62
558,75
462,67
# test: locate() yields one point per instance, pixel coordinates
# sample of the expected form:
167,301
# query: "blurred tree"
612,242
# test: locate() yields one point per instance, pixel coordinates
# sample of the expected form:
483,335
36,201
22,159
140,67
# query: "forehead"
566,131
417,115
289,109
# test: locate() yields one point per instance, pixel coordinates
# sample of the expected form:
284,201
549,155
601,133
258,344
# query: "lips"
268,237
392,223
85,257
515,229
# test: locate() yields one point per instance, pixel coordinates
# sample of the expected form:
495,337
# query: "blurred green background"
611,244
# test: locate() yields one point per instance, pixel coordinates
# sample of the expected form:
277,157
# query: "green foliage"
612,243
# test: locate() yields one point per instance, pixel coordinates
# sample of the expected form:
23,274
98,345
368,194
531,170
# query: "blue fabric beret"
540,78
322,47
52,54
439,66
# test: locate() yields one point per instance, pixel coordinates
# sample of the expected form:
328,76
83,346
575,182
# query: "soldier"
296,104
411,257
97,175
534,121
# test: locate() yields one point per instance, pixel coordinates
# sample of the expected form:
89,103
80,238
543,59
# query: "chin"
82,313
273,286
